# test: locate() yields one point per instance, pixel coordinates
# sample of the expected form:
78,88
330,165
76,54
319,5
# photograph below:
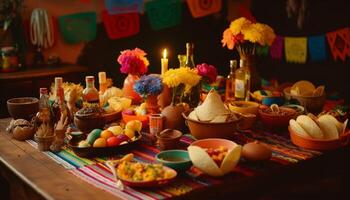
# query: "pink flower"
133,61
207,71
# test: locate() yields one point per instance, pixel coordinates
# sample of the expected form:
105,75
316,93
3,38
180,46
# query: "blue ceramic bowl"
176,159
273,100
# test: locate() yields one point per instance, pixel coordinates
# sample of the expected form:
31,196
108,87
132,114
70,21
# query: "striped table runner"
94,171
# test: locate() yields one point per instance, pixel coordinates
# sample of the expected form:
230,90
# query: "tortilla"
332,119
328,128
193,116
231,159
298,129
211,107
201,159
302,88
220,119
310,126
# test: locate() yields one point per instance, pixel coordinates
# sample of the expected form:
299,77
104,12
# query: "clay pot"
152,104
23,107
169,139
164,99
44,143
173,117
128,88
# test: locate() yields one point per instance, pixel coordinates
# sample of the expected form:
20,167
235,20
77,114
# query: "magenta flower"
207,71
133,61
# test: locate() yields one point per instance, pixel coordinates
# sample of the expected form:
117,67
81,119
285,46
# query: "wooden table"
33,175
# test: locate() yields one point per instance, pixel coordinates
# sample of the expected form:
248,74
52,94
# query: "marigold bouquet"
183,78
133,61
246,35
148,85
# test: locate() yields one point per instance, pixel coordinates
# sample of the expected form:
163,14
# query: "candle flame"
164,53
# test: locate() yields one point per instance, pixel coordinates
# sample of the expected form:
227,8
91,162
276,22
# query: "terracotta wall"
67,52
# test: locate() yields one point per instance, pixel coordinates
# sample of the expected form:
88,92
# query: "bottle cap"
43,90
89,78
102,77
58,81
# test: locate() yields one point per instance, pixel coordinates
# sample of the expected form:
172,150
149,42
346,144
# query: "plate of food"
138,174
108,141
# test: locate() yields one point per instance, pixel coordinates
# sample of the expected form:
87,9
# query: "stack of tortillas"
323,127
306,88
212,110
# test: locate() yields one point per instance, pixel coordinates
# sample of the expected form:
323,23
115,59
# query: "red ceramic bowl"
142,118
276,121
319,144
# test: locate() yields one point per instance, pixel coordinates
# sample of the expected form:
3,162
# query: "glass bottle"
230,81
182,60
242,82
102,80
90,93
44,118
189,55
59,107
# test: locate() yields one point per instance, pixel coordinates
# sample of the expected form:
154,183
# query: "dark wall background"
323,16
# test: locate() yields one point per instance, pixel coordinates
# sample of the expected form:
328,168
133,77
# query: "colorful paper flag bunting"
277,48
262,50
317,47
123,6
339,43
201,8
78,27
295,49
163,14
121,25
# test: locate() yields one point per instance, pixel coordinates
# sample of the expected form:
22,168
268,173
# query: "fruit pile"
217,154
113,136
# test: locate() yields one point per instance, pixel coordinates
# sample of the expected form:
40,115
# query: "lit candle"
164,62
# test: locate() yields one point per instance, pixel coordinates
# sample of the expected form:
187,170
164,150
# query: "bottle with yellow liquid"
230,81
242,82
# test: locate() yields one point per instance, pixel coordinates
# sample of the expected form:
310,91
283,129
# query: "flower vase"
255,79
128,88
164,99
152,104
173,117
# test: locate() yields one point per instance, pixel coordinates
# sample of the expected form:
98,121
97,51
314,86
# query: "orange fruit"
100,142
106,134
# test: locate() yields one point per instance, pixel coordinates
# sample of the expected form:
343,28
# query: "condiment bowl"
244,107
168,139
276,120
23,107
176,159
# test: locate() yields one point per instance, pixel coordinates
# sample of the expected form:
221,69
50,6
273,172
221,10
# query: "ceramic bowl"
300,110
247,121
169,139
312,104
276,120
176,159
202,130
142,118
319,144
23,107
244,107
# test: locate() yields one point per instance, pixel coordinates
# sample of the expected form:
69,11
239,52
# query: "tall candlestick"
164,62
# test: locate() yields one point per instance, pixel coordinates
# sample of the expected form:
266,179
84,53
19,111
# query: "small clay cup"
44,143
169,139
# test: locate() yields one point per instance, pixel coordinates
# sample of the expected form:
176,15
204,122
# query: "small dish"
319,144
168,139
176,159
244,107
276,120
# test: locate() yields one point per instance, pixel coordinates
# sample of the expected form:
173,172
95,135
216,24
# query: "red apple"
113,141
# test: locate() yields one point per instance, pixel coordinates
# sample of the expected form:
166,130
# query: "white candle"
164,62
